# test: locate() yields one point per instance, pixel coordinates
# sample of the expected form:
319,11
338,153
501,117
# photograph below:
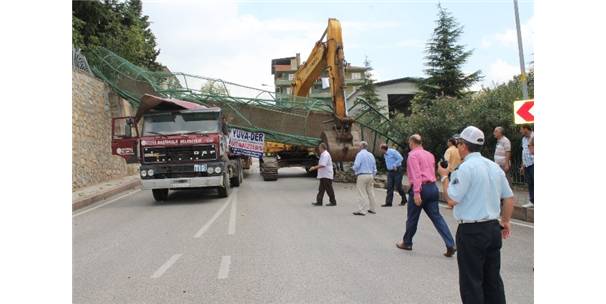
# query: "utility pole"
521,51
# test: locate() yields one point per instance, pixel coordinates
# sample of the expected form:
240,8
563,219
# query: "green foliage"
445,116
214,88
116,25
444,61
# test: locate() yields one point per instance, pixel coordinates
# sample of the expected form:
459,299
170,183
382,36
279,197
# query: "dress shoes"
358,213
331,204
316,204
386,205
449,252
371,212
402,246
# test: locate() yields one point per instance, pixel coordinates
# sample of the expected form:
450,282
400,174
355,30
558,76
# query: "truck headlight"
143,173
210,170
218,170
150,172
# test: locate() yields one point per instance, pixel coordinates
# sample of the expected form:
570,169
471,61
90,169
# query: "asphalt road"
267,244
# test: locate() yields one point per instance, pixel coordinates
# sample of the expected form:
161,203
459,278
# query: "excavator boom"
329,55
324,55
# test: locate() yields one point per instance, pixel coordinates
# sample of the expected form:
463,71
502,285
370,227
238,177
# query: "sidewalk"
520,198
92,194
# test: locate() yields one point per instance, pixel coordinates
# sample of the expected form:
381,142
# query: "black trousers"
529,176
394,181
326,185
479,259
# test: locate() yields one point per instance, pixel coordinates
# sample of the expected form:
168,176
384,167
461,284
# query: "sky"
236,40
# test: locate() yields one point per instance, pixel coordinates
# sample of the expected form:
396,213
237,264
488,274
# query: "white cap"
473,135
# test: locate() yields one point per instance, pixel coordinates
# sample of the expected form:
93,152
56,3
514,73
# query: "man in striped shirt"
421,166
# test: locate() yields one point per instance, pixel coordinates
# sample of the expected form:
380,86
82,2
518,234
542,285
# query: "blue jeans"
394,180
429,196
529,176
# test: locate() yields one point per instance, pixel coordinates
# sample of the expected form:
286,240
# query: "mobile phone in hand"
444,164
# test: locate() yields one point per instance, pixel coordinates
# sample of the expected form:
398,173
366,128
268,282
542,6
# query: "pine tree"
368,89
444,60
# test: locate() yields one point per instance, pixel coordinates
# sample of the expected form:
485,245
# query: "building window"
291,77
356,76
289,91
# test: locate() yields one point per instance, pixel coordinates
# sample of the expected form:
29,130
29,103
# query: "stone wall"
93,106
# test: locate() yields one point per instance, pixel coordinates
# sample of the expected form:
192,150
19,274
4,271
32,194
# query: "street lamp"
521,51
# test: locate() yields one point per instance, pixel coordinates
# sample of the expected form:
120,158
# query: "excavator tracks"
269,168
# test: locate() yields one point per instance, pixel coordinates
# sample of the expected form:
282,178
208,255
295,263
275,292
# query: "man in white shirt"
325,175
502,152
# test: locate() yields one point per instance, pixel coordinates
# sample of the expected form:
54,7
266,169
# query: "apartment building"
284,70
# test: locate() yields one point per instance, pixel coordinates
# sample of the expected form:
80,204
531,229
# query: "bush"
438,119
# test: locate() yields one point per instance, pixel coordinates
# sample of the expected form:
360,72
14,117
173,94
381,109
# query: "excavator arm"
329,55
341,140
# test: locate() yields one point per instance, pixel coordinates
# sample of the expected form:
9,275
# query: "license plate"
200,168
180,184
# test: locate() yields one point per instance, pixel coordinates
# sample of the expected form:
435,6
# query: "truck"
182,145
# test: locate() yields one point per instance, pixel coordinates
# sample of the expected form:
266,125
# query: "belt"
398,168
476,221
364,173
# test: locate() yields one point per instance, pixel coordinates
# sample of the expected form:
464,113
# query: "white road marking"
224,268
166,265
106,203
232,216
214,218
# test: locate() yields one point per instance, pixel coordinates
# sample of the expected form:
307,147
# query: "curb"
105,194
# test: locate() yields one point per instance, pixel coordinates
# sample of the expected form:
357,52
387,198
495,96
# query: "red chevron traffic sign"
521,111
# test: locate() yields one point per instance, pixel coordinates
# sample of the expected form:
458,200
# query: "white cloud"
215,40
509,37
486,43
500,72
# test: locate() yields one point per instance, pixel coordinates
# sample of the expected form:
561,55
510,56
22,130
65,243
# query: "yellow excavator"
338,135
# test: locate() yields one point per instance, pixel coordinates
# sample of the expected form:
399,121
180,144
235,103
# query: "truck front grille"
179,154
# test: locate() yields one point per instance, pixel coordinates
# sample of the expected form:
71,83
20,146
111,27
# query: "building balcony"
283,82
354,82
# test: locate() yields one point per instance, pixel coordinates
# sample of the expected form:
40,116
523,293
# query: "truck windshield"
180,123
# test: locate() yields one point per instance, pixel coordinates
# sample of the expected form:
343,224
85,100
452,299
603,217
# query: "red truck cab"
181,145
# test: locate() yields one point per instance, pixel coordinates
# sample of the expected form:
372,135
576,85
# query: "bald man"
423,195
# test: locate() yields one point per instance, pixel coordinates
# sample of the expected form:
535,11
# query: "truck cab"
181,145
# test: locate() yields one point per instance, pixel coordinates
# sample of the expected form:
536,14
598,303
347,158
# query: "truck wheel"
225,189
160,194
237,179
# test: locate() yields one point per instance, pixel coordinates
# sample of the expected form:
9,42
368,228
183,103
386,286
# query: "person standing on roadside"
395,171
476,191
527,167
452,155
325,175
502,152
421,168
365,167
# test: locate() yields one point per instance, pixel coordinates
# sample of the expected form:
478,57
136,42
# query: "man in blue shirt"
365,168
395,171
476,191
